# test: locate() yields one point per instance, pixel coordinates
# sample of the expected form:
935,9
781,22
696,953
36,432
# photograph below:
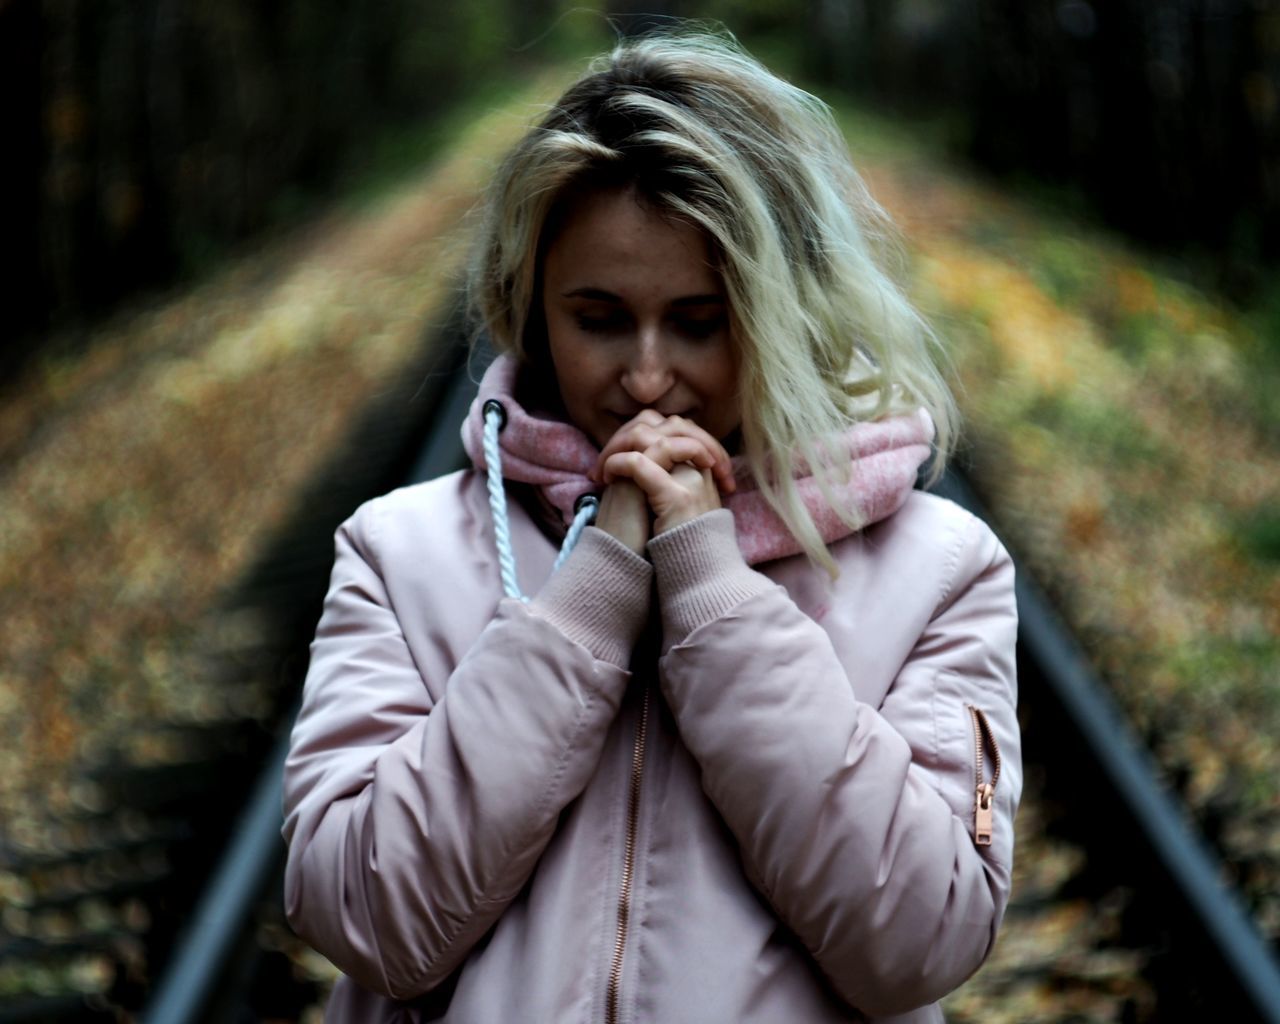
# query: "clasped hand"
658,472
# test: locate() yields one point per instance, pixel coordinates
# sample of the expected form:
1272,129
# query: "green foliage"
1065,268
1238,669
1264,358
1259,534
1105,433
401,150
172,140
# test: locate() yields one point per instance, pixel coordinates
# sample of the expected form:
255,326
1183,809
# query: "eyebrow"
600,295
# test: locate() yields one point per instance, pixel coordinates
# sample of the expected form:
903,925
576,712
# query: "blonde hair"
706,134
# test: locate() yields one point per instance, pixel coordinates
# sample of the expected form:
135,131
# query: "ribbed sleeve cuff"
599,597
701,573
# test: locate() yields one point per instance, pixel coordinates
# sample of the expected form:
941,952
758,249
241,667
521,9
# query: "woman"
750,752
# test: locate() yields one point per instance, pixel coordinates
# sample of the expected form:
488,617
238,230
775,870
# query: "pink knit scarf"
556,456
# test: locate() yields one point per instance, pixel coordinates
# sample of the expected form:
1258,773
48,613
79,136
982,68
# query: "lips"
627,417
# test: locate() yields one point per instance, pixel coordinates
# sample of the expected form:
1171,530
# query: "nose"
649,373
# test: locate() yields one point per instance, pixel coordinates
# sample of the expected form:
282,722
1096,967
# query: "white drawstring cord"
584,514
495,418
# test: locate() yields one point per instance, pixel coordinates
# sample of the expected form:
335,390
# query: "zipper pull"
982,815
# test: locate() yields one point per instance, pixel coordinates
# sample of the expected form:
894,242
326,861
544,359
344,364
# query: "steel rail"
218,923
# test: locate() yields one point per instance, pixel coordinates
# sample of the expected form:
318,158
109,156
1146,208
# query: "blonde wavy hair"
706,134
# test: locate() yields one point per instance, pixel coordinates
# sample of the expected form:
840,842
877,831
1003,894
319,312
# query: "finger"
642,432
699,482
649,417
624,514
665,450
645,419
722,467
635,435
694,477
722,474
668,452
646,474
676,497
697,494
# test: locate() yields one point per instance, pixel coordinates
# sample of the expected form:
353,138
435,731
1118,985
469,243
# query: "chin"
603,427
598,434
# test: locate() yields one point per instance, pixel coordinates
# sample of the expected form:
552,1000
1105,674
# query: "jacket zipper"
628,864
983,808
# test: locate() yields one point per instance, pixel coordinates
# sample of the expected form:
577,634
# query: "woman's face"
637,319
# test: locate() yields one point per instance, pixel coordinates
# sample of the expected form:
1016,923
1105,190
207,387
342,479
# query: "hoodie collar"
555,457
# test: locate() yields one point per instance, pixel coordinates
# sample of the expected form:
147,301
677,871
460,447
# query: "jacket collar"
555,457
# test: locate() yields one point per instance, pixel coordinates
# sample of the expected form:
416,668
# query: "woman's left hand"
673,461
676,493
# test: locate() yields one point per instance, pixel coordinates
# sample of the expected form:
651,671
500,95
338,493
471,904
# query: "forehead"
612,241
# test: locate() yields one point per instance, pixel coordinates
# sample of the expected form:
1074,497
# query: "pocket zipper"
983,806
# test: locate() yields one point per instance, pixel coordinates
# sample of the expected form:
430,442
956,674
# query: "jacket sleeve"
412,822
854,821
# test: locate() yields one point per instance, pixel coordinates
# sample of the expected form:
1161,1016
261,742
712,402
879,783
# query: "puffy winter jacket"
760,808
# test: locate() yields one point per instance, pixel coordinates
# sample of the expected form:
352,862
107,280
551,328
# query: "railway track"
93,905
103,923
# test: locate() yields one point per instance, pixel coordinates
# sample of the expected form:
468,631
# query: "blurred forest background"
235,230
145,137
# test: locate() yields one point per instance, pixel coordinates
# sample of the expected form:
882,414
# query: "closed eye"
699,327
608,323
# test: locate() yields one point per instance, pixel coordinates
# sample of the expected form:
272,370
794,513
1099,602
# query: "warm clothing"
555,456
467,802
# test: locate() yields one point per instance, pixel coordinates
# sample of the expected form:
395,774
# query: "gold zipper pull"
982,815
983,805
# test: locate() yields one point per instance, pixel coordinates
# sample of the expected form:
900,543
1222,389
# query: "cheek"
560,347
721,376
575,389
728,400
579,374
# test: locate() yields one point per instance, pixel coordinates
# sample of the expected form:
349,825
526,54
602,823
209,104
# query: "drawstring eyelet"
584,514
492,405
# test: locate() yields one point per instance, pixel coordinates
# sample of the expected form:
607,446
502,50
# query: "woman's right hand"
624,514
669,441
625,509
676,467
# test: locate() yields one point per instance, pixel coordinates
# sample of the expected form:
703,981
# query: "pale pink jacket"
465,776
